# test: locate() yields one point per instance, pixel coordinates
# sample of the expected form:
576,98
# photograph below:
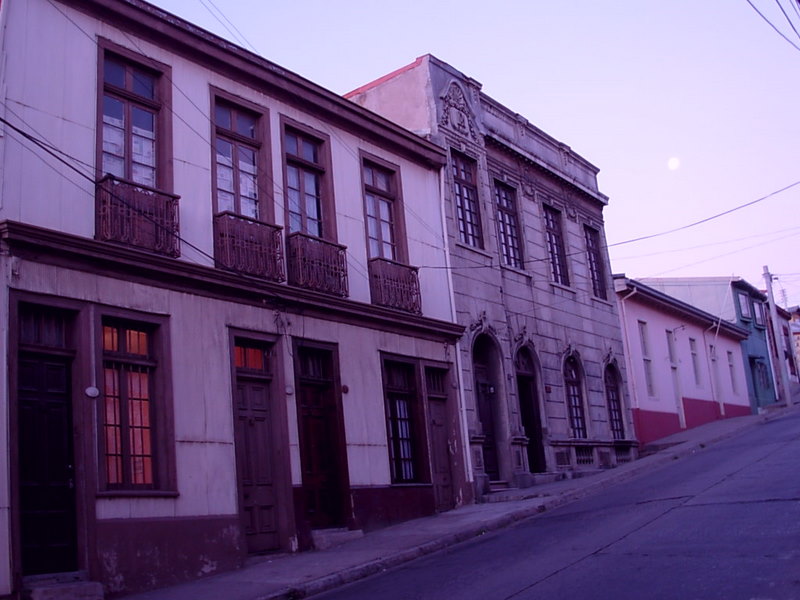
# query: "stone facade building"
542,359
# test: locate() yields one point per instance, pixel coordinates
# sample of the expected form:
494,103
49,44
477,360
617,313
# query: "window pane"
249,208
309,151
144,175
224,178
222,116
114,165
144,122
224,152
113,140
247,186
113,111
144,151
246,125
291,143
144,84
225,201
113,72
247,160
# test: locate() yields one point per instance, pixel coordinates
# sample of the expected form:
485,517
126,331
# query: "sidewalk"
291,576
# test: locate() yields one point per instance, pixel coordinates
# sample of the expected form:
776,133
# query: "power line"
791,24
707,219
778,31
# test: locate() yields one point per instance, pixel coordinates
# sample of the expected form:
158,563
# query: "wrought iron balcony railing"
248,246
316,264
395,285
137,215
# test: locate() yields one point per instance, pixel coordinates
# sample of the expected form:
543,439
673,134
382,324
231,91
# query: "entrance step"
497,486
328,538
70,590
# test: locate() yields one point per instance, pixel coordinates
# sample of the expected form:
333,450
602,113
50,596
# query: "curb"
545,503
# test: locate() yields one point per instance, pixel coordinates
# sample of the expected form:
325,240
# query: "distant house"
794,330
685,365
226,310
739,302
542,360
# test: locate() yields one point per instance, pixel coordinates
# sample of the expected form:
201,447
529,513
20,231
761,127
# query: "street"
723,523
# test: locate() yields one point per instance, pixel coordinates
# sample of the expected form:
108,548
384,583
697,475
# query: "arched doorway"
616,422
529,409
485,369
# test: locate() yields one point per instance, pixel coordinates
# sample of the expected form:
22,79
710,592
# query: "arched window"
615,421
573,387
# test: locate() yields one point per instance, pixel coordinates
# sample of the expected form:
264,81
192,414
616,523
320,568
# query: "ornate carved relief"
456,113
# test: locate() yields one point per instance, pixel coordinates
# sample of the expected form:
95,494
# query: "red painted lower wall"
653,425
140,554
700,412
737,410
377,507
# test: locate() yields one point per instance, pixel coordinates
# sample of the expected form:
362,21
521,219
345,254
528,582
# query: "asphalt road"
723,523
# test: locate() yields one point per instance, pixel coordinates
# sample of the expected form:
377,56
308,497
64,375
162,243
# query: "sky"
689,109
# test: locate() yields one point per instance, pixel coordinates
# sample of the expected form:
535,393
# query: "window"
744,306
572,384
508,224
695,361
732,371
555,246
380,205
129,406
465,190
615,420
712,352
401,417
597,270
131,130
646,360
236,151
760,314
305,173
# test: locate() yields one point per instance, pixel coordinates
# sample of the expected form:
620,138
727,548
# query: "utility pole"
777,336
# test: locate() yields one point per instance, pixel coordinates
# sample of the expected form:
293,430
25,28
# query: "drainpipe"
628,360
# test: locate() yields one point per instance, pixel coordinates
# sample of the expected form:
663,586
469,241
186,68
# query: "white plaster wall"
55,93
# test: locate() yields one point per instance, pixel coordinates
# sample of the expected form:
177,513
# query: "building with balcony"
542,358
225,321
685,365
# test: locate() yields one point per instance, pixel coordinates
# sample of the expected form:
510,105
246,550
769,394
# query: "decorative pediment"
456,113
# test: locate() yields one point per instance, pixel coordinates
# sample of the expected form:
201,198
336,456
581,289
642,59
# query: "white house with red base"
685,365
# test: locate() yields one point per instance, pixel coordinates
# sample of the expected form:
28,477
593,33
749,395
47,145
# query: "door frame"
346,518
79,339
280,432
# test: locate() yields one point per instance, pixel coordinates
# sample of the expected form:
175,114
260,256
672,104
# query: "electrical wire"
778,31
791,24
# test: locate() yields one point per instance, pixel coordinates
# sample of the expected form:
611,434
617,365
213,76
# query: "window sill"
138,494
558,286
516,270
480,251
602,301
411,484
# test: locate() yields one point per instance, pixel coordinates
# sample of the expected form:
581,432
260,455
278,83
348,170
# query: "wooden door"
322,458
484,391
531,423
254,464
441,466
46,473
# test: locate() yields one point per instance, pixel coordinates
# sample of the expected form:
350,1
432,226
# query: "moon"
673,163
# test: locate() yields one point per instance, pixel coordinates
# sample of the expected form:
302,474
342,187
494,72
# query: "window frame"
265,198
467,208
759,314
509,231
575,398
647,360
745,306
555,244
732,373
616,419
420,459
594,262
397,206
162,434
698,380
322,167
161,105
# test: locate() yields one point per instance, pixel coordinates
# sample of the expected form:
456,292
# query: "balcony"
395,285
137,215
318,265
248,246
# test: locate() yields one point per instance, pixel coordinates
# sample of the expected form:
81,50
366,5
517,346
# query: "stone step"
73,590
329,538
